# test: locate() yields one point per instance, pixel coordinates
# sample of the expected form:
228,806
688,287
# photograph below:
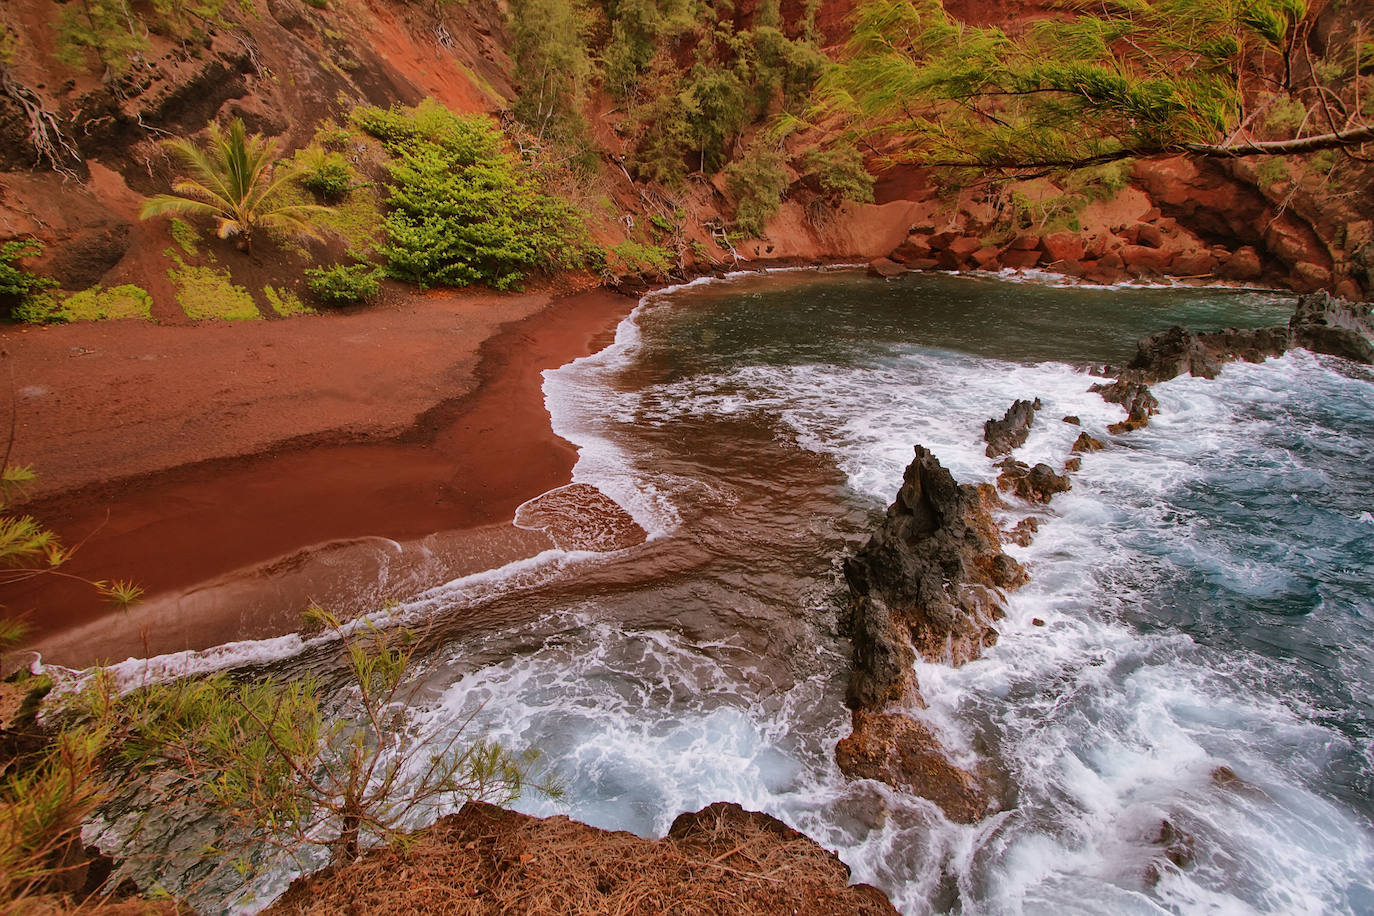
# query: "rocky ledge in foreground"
487,860
930,583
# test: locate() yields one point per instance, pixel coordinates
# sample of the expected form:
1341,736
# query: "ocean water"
1190,730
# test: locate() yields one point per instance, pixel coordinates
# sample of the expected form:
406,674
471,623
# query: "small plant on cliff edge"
232,180
324,172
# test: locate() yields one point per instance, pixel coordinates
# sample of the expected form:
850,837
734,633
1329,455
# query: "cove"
1205,661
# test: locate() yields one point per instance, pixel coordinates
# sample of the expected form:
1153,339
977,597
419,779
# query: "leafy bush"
463,208
757,182
344,284
100,304
326,173
841,174
637,257
22,292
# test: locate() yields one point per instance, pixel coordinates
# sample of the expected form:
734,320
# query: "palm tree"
233,180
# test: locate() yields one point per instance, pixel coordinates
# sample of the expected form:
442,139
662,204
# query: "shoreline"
262,534
270,529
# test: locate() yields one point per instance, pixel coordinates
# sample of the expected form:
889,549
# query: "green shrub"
841,173
326,173
464,209
100,304
756,182
344,284
22,293
636,257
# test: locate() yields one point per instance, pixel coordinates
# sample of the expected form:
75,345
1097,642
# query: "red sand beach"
239,472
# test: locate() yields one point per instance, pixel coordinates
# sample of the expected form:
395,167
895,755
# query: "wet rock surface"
930,583
906,754
1010,432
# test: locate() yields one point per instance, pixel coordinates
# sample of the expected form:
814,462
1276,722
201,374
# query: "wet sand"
360,508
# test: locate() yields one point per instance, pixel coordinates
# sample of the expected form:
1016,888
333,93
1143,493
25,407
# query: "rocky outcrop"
930,583
719,860
1010,432
1323,324
1037,484
1320,323
931,574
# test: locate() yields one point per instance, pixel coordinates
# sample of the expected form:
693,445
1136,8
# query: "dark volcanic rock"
1033,484
928,578
1326,325
1010,432
929,583
1176,351
905,754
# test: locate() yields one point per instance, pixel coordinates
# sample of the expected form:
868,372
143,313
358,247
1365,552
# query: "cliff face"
79,151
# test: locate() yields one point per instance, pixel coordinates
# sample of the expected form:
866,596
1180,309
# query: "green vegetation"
344,284
839,170
689,114
232,180
205,292
630,256
756,182
186,237
286,303
99,304
23,294
1108,83
552,67
326,173
262,760
114,34
463,208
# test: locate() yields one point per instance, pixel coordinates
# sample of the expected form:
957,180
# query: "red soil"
176,455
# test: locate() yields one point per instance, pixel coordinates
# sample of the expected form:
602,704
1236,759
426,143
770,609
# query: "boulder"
906,754
1036,484
1243,264
1062,246
1149,236
914,248
1018,259
987,257
1086,443
885,268
1026,241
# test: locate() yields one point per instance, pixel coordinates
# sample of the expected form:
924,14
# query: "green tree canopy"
1100,81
